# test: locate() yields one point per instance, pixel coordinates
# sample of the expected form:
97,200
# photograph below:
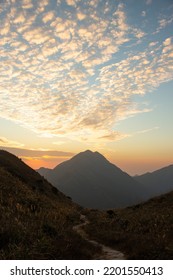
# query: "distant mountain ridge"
157,182
92,181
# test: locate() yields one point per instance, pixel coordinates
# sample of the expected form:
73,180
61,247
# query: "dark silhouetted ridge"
157,182
92,181
17,168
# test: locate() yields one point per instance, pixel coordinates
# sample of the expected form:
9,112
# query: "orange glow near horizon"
140,164
36,163
132,165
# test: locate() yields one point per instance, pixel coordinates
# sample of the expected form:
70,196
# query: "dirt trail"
107,252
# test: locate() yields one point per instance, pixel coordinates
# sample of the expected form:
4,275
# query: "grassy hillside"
144,231
36,219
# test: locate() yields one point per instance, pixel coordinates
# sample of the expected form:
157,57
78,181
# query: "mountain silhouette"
92,181
157,182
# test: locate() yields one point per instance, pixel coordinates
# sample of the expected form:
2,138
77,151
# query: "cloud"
20,18
163,23
27,4
152,44
37,158
5,28
44,2
74,70
36,36
48,17
71,2
147,130
81,16
167,47
148,2
4,142
114,136
37,153
167,42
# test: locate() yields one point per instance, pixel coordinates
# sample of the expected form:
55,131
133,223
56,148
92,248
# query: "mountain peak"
89,155
92,181
87,152
84,154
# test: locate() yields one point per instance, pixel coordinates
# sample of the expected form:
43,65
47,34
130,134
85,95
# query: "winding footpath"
107,252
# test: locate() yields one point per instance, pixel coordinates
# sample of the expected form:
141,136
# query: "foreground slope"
157,182
143,231
92,181
36,219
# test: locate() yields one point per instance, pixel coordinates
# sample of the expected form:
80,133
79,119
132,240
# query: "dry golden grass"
37,224
144,231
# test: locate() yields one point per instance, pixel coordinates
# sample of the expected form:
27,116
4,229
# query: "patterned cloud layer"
73,67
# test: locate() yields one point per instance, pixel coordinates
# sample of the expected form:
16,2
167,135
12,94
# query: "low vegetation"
144,231
37,220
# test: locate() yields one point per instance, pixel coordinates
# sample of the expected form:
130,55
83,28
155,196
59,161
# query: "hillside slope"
92,181
143,231
36,219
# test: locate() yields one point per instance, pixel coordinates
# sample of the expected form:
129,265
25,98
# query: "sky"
78,75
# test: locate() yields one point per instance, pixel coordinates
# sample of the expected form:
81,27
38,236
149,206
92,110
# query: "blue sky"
87,74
